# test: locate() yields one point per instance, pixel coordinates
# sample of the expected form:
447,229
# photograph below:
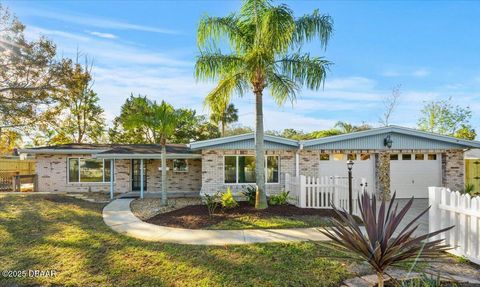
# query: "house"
417,160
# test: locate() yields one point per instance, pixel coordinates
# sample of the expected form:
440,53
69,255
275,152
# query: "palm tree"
265,42
346,128
160,121
222,114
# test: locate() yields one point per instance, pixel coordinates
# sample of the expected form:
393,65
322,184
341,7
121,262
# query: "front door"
136,175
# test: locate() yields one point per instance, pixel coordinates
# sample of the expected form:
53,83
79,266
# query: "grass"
254,222
45,232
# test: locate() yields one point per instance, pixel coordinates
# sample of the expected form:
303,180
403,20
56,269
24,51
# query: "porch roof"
118,151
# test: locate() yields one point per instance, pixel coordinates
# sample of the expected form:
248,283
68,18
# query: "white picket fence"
452,208
320,192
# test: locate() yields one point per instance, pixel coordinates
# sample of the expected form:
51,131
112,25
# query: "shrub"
228,201
279,199
211,201
470,189
381,245
250,194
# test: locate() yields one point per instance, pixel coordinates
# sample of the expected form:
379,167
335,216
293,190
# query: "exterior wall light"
387,141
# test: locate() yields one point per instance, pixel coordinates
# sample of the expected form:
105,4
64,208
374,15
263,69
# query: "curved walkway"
118,216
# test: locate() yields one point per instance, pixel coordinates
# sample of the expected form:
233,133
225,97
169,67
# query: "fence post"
434,216
287,183
303,191
35,183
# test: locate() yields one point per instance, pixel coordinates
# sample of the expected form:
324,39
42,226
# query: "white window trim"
112,165
179,171
236,170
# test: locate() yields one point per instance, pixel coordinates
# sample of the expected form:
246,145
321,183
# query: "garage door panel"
413,177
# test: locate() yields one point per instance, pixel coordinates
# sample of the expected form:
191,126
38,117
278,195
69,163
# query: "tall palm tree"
160,121
265,42
222,113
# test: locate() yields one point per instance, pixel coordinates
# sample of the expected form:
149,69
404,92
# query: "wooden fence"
462,211
11,169
321,192
472,173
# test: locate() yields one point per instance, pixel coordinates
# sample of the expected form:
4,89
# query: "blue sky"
429,48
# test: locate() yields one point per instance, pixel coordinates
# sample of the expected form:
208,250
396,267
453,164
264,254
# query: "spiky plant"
382,243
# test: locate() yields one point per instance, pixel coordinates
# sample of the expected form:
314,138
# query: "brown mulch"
197,217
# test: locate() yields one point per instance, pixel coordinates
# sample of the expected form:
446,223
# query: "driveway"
418,206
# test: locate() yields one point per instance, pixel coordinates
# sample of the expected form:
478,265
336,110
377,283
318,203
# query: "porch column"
112,165
141,178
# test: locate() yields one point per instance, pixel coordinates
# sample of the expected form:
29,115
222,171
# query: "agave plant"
382,243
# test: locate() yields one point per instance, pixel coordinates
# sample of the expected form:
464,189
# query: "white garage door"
336,165
412,174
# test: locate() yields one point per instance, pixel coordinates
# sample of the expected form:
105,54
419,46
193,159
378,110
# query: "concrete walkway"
117,215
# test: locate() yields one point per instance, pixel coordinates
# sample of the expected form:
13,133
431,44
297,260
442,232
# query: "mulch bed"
196,216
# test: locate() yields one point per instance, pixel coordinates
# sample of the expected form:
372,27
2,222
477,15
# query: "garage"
412,173
417,159
335,165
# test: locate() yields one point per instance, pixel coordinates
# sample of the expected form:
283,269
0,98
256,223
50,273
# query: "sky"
429,48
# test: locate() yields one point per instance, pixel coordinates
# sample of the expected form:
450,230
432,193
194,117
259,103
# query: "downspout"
297,160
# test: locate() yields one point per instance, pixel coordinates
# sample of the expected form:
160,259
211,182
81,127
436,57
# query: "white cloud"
102,35
89,21
33,32
422,72
357,83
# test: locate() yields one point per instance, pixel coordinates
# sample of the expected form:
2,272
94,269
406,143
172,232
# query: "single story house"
417,160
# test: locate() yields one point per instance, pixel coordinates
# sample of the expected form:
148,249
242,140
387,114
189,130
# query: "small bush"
211,201
228,201
250,194
470,189
279,199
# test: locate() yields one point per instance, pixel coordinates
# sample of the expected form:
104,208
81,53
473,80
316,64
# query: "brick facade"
52,176
213,173
453,170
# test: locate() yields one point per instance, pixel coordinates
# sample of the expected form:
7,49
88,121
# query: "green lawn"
43,232
253,222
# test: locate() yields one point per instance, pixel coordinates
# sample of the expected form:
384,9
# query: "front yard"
45,232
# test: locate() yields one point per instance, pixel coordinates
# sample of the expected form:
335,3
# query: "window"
406,157
324,156
241,169
364,156
351,156
338,156
419,156
180,165
272,169
394,157
432,157
89,170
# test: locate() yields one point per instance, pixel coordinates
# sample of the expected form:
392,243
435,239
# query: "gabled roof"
243,139
447,140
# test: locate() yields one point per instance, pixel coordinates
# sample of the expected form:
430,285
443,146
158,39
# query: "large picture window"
89,170
241,169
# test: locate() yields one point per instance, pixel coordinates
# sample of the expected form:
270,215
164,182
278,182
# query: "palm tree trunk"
223,128
164,173
261,199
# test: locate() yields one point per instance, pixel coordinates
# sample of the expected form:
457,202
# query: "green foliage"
77,117
425,280
470,189
227,200
238,130
212,201
250,193
222,113
346,128
444,118
279,199
188,125
264,52
381,245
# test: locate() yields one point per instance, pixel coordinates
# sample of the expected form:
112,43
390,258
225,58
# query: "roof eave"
147,156
61,151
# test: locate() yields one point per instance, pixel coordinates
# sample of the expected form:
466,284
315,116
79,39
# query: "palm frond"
305,70
282,88
210,66
227,86
215,29
277,29
310,26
